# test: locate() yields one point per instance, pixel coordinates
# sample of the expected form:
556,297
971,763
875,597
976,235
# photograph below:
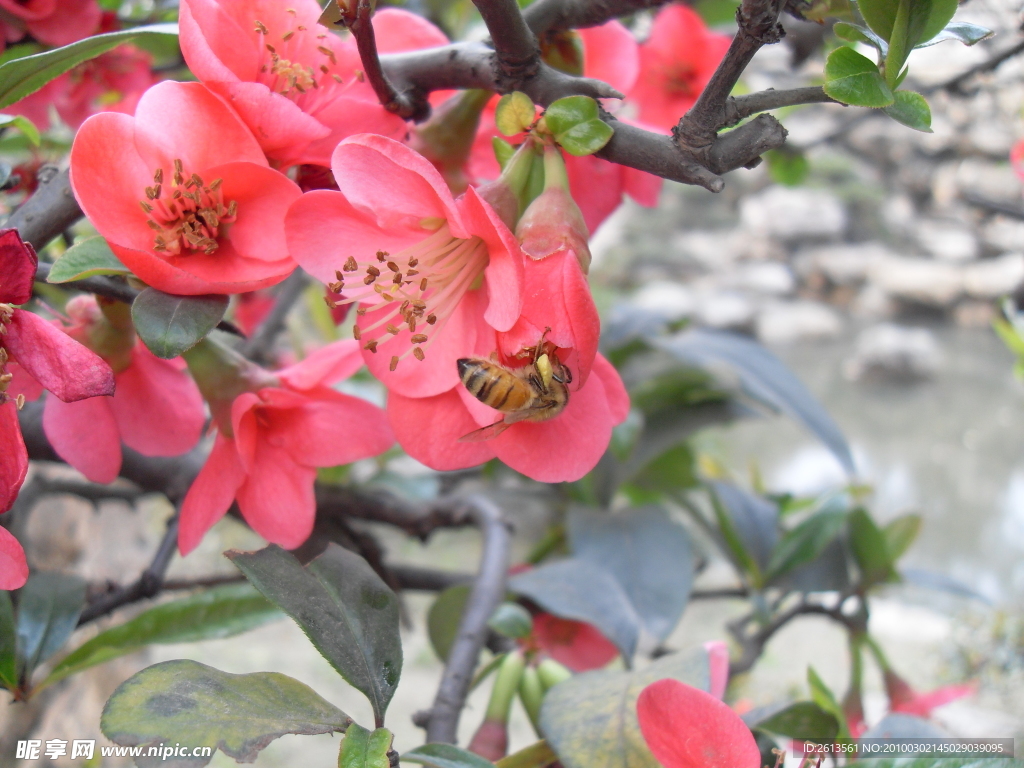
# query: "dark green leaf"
214,613
185,702
674,470
23,76
443,618
854,79
445,756
803,720
8,644
930,18
870,549
48,608
590,719
365,749
855,33
345,609
85,259
23,124
916,21
787,166
578,589
962,31
900,534
170,325
879,14
805,542
828,572
755,520
825,699
511,620
912,110
647,552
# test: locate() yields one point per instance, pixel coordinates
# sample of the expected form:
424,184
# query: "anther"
356,333
431,319
382,256
158,177
337,77
413,262
360,310
387,297
368,280
423,284
393,267
371,345
372,270
397,279
417,353
411,272
391,329
419,338
288,35
394,363
146,206
331,304
350,265
261,28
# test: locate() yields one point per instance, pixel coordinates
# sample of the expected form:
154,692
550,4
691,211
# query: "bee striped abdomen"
493,385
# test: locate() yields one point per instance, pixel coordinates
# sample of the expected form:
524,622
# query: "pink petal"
324,367
13,458
596,186
643,187
18,264
13,567
75,20
347,116
428,428
504,271
263,196
611,54
245,427
211,494
158,408
33,10
576,644
922,704
718,660
688,728
84,434
55,360
276,498
23,384
397,30
215,46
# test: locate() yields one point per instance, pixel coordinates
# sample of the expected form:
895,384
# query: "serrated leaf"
345,609
86,258
23,124
170,325
590,719
26,75
855,33
900,534
8,644
48,609
803,720
365,749
912,110
514,114
214,613
185,702
445,756
511,620
961,31
825,699
585,138
444,616
805,542
854,79
870,549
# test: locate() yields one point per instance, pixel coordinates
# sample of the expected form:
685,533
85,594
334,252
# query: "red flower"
576,644
676,62
45,355
434,276
272,436
183,193
903,698
684,727
157,409
292,81
53,22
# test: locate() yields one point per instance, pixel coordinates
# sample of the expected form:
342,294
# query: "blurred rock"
988,178
1003,233
841,264
894,352
768,277
920,280
672,301
785,322
993,278
947,240
725,310
794,214
974,314
872,303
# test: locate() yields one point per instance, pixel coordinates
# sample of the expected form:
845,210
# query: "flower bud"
551,673
446,139
507,194
222,375
531,693
491,738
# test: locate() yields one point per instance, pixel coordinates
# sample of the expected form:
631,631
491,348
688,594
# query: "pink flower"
434,277
684,727
157,409
1017,158
576,644
33,354
52,22
676,62
271,437
562,449
292,81
183,193
903,698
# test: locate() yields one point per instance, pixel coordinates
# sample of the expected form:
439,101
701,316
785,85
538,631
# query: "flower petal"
18,264
13,567
429,428
610,53
718,660
75,20
212,42
158,408
277,499
23,384
263,196
688,728
324,367
398,30
245,428
55,360
211,493
576,644
347,116
504,271
84,434
13,458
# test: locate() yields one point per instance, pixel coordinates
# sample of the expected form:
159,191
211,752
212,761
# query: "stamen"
192,217
262,28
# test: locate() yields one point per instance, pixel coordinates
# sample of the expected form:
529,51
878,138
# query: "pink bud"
490,740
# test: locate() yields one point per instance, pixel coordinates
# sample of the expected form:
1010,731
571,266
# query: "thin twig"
485,596
741,107
366,42
258,347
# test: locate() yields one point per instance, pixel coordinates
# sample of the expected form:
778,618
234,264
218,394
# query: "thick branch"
517,54
484,598
48,212
557,15
392,100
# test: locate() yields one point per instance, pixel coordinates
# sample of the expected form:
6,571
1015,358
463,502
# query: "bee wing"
485,433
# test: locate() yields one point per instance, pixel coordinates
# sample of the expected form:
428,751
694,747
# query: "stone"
947,240
894,352
767,277
672,301
727,310
841,264
786,322
792,214
934,283
992,278
1003,233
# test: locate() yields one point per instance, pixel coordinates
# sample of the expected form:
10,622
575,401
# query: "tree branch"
517,55
739,108
48,212
558,15
366,42
484,598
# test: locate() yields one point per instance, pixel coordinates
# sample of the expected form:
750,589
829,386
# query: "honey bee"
534,392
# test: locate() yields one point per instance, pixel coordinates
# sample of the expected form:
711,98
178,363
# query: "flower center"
298,61
187,215
682,80
415,290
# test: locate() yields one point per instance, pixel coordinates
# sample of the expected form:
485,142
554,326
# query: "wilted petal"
13,457
84,433
211,493
13,567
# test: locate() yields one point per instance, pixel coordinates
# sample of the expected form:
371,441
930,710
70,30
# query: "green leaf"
742,557
23,76
8,644
445,756
23,124
503,151
961,31
825,699
870,549
537,755
511,620
854,79
803,720
345,609
586,138
805,542
185,702
931,17
916,21
86,258
577,126
365,749
515,113
900,534
787,166
214,613
170,325
443,618
590,719
48,609
855,33
879,14
912,110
